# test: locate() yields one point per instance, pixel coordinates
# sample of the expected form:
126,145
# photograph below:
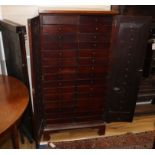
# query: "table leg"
14,137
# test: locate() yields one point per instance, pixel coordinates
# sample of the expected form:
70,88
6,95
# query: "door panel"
129,36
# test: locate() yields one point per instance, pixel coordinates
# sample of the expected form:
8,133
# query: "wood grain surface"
14,98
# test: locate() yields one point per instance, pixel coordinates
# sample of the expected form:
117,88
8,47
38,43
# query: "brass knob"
116,89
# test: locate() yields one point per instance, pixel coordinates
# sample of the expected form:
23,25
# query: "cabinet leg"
101,130
14,137
153,101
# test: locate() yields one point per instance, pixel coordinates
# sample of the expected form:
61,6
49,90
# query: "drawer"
56,120
91,81
88,45
74,53
59,62
59,45
49,84
93,69
59,117
51,97
58,29
93,61
50,106
59,54
54,76
59,97
89,94
94,100
58,90
85,37
59,37
91,75
89,19
80,110
85,88
94,53
72,96
59,113
95,29
88,117
91,89
59,104
59,19
59,70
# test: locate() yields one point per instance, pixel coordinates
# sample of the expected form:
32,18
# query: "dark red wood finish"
70,66
72,62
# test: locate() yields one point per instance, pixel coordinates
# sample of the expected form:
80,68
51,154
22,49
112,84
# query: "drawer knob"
94,45
60,84
96,19
92,68
60,53
59,28
131,39
140,70
116,89
93,60
60,37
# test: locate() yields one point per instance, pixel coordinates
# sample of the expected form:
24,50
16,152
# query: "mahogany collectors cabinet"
86,67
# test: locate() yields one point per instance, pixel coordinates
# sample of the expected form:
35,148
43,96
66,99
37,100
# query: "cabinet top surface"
78,12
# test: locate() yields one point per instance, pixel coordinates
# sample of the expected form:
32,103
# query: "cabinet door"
34,38
129,39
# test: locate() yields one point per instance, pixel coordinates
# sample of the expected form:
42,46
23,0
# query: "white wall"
2,56
0,51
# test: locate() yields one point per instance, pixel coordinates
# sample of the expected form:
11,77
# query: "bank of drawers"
74,60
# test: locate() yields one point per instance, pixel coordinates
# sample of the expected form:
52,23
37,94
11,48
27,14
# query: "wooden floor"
139,124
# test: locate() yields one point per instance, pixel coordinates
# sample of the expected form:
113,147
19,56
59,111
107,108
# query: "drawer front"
89,37
93,61
60,70
58,90
59,45
88,117
57,76
94,29
60,62
93,69
90,20
58,29
84,88
94,53
88,45
75,62
59,19
101,53
59,96
69,37
59,54
47,84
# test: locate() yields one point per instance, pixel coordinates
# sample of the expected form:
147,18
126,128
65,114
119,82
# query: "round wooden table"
14,97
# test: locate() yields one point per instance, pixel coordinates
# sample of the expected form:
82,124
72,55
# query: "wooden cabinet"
77,60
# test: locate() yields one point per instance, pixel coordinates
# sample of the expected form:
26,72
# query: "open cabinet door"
34,39
129,40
